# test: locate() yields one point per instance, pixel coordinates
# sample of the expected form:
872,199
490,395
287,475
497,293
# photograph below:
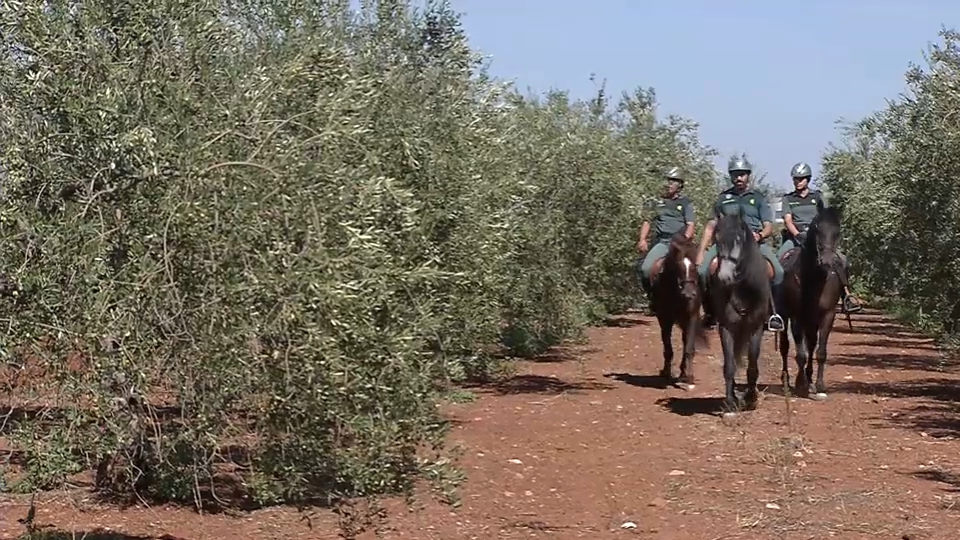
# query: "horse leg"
802,383
689,350
731,402
784,353
753,369
826,326
810,337
666,333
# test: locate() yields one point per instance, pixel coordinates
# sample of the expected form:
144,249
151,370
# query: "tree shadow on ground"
538,384
98,534
626,321
891,360
938,416
937,420
927,344
933,388
558,355
952,480
868,314
875,329
866,317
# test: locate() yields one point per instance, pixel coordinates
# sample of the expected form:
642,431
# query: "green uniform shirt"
803,209
670,216
756,211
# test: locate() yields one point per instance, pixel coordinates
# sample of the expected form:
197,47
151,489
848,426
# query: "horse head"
733,238
680,261
822,238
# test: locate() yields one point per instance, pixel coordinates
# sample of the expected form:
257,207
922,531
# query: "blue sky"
768,78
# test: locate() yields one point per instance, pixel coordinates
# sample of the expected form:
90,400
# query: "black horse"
816,280
739,292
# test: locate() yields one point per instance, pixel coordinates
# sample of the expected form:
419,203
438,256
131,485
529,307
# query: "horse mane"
829,215
827,219
826,222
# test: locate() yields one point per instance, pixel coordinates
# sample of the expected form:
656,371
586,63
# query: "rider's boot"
648,289
775,322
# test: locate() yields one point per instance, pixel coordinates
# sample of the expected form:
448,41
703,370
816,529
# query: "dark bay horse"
812,287
792,296
676,302
739,292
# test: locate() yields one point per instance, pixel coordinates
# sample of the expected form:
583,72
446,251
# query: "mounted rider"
800,207
741,198
672,212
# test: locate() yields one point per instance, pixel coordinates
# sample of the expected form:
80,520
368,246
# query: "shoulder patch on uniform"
729,195
752,201
679,207
813,201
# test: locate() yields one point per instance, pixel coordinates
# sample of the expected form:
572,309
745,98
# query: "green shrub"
268,234
895,180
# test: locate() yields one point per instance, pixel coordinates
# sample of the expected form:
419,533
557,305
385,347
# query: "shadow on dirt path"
873,460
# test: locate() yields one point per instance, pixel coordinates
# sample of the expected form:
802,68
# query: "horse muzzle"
689,290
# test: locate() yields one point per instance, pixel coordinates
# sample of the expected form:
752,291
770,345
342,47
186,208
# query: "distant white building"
777,206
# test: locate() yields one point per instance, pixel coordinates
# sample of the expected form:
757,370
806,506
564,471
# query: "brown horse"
812,287
676,301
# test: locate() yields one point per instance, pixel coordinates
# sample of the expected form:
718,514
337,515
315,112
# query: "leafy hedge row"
896,180
267,233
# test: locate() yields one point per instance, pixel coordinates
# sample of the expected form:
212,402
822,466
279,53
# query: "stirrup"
775,323
850,305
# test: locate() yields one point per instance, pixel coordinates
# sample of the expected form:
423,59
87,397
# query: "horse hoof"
819,396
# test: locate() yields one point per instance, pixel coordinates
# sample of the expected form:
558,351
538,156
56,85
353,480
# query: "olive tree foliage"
258,238
895,179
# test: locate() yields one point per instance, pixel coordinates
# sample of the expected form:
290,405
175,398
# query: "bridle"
726,257
686,275
821,250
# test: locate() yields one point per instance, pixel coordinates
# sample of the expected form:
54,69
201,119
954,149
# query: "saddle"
789,257
656,270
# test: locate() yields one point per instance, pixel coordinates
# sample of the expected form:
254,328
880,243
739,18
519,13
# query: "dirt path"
579,444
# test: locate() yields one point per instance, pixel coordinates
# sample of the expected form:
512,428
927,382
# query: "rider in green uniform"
759,217
800,207
672,213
